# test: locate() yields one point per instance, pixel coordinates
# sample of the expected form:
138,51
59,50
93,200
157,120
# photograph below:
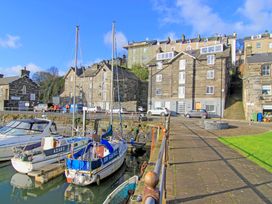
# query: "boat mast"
74,98
112,74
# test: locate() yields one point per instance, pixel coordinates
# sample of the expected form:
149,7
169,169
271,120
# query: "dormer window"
165,55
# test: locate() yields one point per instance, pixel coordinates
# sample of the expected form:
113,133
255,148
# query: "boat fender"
98,180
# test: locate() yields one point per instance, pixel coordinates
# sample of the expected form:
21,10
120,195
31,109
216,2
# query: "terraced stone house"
94,85
18,92
257,79
141,53
192,79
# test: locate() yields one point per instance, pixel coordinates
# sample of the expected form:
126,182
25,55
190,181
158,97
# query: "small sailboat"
54,149
122,192
103,159
25,133
107,156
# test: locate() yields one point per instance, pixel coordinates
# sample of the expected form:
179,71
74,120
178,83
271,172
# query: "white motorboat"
54,149
105,158
25,133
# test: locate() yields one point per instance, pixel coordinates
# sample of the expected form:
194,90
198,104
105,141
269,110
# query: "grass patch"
257,148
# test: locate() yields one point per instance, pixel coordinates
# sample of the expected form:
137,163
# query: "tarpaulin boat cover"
108,133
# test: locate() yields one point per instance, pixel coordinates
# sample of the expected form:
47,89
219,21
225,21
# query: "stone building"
257,82
19,92
193,79
142,52
257,79
257,44
94,85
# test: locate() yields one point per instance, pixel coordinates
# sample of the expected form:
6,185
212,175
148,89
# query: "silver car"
201,113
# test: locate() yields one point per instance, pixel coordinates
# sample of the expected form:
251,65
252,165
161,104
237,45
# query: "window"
181,92
71,78
210,59
158,92
182,64
211,49
159,65
270,45
210,90
145,49
182,78
266,89
165,55
210,108
258,45
210,74
266,70
159,78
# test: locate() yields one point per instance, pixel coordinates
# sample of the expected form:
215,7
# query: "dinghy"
122,193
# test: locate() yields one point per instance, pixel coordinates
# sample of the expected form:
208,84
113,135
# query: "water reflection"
24,187
20,188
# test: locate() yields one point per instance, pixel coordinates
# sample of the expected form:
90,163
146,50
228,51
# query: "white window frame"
210,59
158,77
182,64
159,65
208,108
258,45
266,88
210,74
210,90
164,55
181,92
270,45
181,77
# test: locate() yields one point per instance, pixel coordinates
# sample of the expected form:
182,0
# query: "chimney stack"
183,38
25,72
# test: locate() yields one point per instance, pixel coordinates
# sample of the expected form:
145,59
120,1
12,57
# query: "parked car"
78,108
40,107
141,109
158,111
117,110
94,109
201,113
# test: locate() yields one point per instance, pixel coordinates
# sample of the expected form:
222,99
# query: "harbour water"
18,188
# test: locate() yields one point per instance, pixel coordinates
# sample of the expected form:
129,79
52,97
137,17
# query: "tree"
140,72
50,84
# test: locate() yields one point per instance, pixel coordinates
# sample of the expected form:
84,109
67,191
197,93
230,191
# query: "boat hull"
84,178
40,161
6,153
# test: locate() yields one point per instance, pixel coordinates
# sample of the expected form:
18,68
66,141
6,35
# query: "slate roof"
195,54
257,58
7,80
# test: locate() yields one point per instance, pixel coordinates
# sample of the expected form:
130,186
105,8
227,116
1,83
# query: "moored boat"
54,149
122,192
23,133
105,158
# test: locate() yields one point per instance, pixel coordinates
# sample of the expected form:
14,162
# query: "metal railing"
160,167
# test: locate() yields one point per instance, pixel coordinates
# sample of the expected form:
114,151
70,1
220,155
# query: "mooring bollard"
151,180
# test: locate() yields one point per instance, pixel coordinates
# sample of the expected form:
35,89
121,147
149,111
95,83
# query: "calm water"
19,188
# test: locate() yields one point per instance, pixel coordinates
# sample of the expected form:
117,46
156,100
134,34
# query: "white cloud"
15,70
203,19
10,42
120,37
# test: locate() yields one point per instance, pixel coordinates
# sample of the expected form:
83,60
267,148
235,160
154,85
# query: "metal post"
74,98
84,122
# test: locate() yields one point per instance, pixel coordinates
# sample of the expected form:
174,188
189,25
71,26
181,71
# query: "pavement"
203,170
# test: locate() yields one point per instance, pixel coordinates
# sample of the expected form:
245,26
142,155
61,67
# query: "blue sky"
40,34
